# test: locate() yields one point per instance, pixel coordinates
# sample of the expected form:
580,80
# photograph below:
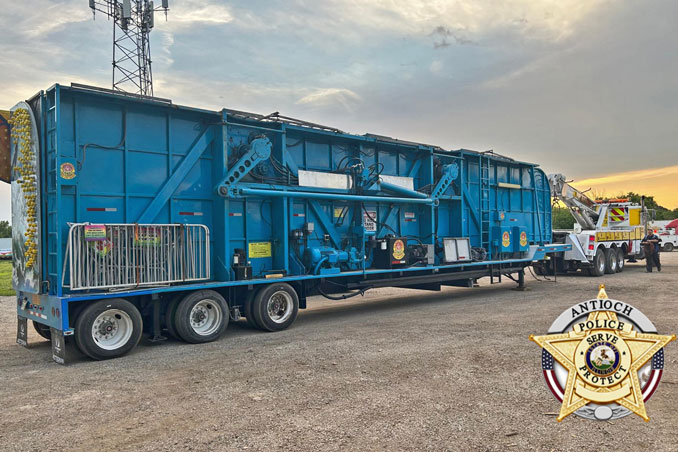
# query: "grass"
6,277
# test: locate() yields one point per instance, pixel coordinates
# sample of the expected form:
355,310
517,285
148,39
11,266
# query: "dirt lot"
397,369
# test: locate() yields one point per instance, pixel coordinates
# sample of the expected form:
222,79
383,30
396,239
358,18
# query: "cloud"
631,175
445,33
657,182
45,18
331,96
193,12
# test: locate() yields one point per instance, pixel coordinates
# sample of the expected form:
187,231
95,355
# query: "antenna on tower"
133,21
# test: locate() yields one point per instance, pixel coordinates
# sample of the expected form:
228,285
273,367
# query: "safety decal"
259,249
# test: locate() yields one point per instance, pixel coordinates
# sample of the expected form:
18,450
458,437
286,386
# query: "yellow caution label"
338,211
259,249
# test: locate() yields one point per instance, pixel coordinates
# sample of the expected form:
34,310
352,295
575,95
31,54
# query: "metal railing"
118,256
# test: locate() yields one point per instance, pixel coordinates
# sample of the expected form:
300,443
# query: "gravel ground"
397,369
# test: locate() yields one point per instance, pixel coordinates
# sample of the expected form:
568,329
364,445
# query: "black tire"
247,310
275,307
170,313
42,330
610,260
201,316
599,265
117,316
668,247
621,261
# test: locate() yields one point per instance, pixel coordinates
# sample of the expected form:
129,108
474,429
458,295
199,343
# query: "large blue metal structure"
288,209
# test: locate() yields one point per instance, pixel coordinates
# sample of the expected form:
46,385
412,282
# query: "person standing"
651,250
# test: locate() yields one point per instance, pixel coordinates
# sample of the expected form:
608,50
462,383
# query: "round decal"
523,238
398,249
67,171
505,239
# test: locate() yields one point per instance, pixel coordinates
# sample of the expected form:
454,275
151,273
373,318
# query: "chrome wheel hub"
280,306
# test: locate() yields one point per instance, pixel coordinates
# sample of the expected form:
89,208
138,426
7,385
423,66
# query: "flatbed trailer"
133,214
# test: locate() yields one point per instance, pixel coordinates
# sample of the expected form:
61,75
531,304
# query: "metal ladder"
485,204
49,186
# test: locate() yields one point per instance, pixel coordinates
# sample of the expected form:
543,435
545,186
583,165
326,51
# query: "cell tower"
133,21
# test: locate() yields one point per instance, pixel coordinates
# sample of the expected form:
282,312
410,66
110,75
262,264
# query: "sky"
584,88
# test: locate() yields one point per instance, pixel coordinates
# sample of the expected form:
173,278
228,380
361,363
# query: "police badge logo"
602,359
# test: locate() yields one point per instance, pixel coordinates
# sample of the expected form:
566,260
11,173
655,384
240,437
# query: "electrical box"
457,250
503,239
521,244
390,252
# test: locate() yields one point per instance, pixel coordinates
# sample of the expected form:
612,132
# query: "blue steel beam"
398,190
186,165
242,191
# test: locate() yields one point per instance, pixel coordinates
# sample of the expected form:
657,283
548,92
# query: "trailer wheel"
201,316
170,315
247,308
275,307
610,260
668,247
108,328
620,260
42,330
598,268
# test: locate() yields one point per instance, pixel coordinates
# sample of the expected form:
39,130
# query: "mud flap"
58,346
22,331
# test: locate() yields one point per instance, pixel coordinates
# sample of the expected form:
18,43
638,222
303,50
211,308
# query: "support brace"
260,150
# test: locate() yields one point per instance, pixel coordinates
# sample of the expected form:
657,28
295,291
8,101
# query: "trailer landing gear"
521,281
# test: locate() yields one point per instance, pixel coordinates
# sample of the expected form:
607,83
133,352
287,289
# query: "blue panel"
317,155
147,172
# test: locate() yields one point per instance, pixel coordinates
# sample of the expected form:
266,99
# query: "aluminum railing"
119,256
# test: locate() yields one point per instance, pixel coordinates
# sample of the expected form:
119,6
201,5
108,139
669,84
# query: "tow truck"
607,233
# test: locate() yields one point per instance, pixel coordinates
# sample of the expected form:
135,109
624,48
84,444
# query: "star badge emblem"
602,355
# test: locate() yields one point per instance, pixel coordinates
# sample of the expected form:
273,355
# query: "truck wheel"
610,260
42,330
108,328
598,263
170,314
668,247
247,308
275,307
620,260
201,316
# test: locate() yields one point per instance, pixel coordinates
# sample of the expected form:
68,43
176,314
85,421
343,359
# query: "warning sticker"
338,211
95,232
369,220
259,249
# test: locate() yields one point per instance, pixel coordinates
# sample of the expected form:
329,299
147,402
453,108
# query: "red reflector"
591,247
592,238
